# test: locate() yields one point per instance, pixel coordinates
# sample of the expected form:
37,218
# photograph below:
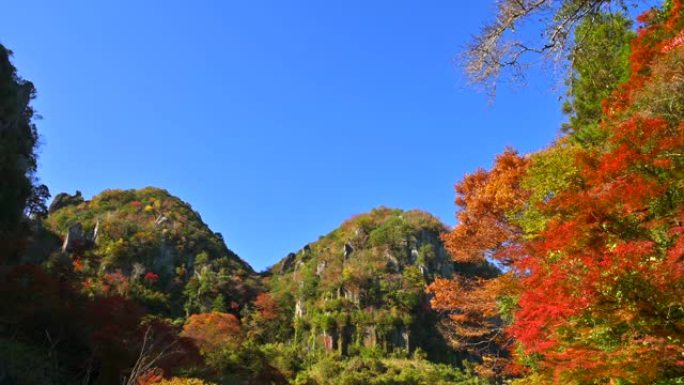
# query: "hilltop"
152,246
361,288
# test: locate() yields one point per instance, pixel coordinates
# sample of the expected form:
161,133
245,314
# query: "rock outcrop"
77,238
363,284
63,200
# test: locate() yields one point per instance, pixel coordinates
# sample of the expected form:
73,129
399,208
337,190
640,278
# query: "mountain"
153,247
361,288
357,293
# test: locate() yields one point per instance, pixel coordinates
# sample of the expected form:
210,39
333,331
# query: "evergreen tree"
18,140
599,64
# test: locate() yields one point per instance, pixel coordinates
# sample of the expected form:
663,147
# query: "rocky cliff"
361,287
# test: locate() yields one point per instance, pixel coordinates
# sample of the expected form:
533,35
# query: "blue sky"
275,120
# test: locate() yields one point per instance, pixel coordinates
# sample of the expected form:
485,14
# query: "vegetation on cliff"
152,247
361,288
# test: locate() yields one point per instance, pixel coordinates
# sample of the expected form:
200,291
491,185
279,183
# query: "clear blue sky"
276,120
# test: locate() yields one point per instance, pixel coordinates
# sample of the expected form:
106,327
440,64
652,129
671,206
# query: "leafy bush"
371,371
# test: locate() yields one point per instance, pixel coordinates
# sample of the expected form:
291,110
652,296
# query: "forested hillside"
152,247
566,265
360,290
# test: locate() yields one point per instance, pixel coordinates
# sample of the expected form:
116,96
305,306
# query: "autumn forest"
566,265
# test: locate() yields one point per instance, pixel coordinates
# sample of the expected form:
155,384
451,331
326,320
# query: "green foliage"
155,301
390,233
372,371
671,381
219,304
551,172
18,141
360,290
599,64
148,231
253,363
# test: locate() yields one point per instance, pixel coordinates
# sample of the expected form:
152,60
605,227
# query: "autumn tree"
485,231
605,280
266,306
593,241
213,331
160,351
267,321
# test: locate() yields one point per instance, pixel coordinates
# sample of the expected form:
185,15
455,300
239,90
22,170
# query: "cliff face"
152,246
361,287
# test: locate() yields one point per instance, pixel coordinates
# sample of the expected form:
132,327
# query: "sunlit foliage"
593,237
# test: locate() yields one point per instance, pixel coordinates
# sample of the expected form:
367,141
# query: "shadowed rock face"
362,285
76,238
348,250
288,262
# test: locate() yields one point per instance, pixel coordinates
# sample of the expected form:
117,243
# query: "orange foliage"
78,265
151,376
475,327
115,284
485,198
213,331
484,231
601,287
267,307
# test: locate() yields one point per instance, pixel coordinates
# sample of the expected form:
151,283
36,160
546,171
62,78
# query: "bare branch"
497,48
151,353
